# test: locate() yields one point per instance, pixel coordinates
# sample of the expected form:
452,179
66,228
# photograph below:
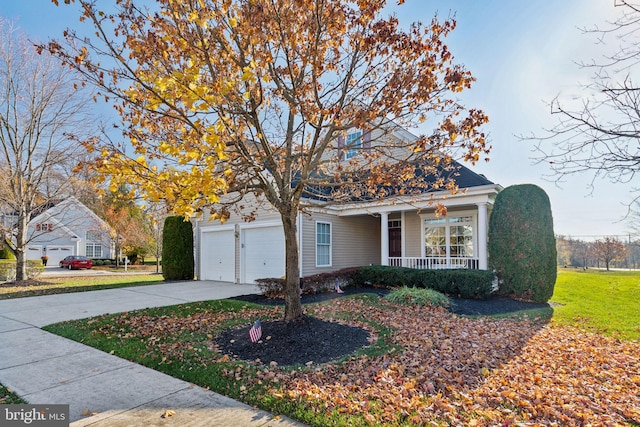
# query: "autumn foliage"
439,369
609,249
224,98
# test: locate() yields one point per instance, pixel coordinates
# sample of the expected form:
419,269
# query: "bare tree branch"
600,134
41,105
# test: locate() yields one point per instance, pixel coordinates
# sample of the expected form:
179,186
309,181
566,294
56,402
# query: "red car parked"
74,261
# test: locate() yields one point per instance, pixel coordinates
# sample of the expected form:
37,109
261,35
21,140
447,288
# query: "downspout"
196,254
300,251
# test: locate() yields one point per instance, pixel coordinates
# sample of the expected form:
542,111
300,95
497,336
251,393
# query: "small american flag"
256,331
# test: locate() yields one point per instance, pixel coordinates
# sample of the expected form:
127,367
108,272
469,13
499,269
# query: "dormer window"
353,142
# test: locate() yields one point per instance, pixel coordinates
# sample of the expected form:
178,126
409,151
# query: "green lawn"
607,302
59,285
460,379
179,341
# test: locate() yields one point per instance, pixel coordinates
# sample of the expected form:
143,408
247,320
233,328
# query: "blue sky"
522,53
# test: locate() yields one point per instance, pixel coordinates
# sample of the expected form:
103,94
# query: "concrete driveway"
44,368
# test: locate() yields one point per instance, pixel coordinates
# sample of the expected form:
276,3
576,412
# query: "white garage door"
34,252
263,253
58,253
217,256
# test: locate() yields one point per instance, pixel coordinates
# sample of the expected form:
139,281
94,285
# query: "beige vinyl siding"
413,231
355,242
412,234
264,213
393,141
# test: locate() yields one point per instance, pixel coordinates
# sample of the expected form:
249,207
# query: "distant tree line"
606,252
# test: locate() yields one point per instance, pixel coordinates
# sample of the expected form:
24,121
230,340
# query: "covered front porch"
412,235
435,263
421,239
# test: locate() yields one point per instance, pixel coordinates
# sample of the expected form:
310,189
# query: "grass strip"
61,285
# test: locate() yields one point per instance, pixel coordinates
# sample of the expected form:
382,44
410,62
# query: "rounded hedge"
177,249
522,245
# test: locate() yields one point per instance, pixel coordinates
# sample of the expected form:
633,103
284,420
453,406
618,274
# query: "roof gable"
67,212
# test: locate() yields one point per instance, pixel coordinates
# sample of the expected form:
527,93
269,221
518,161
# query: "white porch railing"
434,263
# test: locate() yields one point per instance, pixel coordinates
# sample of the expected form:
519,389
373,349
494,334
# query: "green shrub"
5,253
418,296
382,275
477,284
522,246
177,249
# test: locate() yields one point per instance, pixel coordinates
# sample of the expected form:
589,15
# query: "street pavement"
102,389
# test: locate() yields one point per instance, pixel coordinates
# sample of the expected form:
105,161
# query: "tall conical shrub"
522,245
177,249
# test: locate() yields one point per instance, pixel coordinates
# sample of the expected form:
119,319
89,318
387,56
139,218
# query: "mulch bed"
461,306
23,283
310,340
319,341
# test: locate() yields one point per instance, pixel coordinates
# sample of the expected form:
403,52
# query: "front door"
395,242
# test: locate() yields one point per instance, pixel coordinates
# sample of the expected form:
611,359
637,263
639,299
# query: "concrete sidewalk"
47,369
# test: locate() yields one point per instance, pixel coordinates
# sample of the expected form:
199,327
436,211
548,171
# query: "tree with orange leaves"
609,249
222,98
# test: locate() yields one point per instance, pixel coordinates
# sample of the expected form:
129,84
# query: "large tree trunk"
292,302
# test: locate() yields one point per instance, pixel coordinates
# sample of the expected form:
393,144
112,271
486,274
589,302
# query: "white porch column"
482,236
384,238
403,237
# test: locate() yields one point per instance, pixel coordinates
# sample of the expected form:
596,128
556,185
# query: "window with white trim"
435,237
44,227
461,236
451,236
395,223
323,244
93,246
353,144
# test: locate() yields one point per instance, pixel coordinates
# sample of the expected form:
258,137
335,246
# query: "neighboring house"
398,230
68,228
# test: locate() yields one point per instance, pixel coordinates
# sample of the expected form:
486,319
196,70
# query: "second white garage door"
217,260
58,253
263,253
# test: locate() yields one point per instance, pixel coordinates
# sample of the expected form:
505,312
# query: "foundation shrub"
476,284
